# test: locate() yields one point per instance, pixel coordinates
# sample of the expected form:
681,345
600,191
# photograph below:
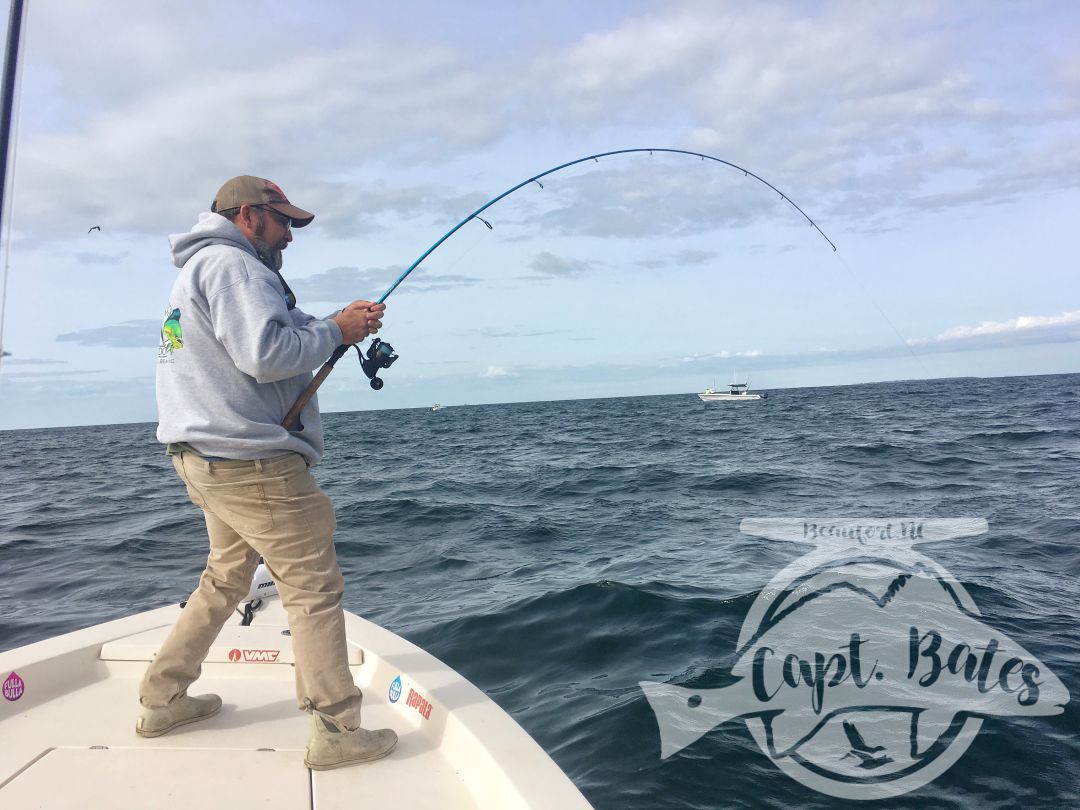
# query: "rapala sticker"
417,701
14,687
254,656
864,669
395,689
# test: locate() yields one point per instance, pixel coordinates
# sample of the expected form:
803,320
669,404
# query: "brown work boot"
333,745
157,720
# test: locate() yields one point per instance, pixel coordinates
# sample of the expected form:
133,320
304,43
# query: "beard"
268,254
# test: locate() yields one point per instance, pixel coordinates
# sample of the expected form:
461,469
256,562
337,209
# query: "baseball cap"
248,190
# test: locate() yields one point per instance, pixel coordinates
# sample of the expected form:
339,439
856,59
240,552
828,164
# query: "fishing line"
881,312
472,245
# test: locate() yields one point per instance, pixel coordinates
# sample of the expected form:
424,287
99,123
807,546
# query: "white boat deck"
69,740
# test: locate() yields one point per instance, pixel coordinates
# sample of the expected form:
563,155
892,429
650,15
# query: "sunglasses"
280,219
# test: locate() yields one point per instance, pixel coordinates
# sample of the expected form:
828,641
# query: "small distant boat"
436,407
738,392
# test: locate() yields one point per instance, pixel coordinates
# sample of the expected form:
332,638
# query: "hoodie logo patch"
172,336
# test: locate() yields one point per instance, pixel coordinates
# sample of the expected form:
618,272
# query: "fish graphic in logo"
172,336
395,689
864,668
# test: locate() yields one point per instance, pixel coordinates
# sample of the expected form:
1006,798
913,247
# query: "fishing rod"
380,355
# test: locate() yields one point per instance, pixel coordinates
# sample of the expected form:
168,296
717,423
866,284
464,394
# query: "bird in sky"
95,228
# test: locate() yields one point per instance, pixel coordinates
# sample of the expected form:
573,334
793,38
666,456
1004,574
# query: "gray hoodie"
233,356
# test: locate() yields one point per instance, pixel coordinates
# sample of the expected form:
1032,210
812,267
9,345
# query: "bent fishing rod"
380,355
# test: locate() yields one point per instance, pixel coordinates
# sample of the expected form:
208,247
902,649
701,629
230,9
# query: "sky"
936,144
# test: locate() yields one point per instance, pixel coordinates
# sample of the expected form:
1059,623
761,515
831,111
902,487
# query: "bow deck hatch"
166,779
255,644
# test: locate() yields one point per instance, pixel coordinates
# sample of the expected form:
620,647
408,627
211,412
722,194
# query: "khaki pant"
274,509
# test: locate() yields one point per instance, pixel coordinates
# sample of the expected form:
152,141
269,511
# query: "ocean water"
558,553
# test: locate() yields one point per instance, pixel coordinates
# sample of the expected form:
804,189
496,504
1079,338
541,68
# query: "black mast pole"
7,101
7,104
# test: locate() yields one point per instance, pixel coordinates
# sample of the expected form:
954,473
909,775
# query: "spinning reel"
380,354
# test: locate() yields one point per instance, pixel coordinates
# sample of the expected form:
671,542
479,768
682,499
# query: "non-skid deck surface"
67,728
140,778
80,751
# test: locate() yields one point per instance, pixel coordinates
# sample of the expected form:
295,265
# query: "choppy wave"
559,553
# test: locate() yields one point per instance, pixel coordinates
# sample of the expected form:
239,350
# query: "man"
235,354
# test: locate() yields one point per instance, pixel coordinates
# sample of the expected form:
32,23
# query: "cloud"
126,335
28,361
903,99
358,208
372,99
1023,329
694,257
344,284
75,398
652,264
1020,331
494,372
87,257
641,195
548,264
682,258
767,64
900,97
456,208
15,376
500,334
723,354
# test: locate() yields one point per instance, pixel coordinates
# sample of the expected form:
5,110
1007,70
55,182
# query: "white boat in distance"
68,727
738,392
436,407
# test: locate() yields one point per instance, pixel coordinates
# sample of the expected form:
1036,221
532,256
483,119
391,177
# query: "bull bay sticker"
14,687
863,669
395,690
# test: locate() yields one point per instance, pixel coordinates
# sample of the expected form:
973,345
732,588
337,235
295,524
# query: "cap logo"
279,192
